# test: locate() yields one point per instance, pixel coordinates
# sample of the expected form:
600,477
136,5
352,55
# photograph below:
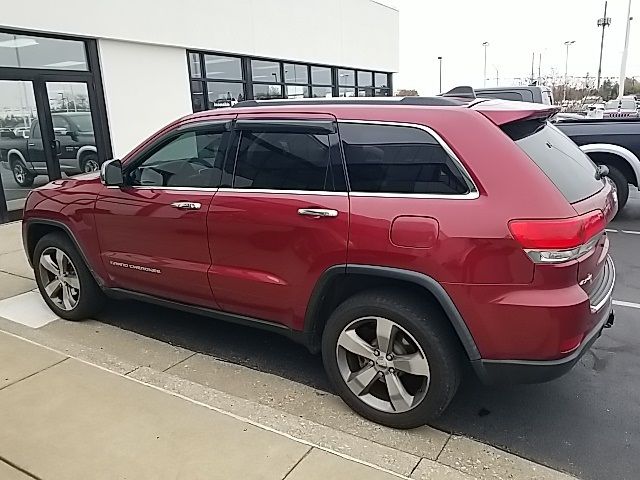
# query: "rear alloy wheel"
392,357
90,163
65,283
21,175
622,186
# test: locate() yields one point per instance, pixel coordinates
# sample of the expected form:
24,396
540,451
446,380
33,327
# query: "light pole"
625,54
440,62
566,68
603,22
485,45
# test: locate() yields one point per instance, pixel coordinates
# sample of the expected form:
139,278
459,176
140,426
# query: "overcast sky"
455,30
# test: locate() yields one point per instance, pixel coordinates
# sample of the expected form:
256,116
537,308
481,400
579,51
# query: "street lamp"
603,22
566,68
485,45
440,62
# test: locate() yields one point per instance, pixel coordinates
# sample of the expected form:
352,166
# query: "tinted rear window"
563,162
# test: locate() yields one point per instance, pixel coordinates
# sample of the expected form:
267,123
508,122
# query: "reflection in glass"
347,92
296,73
382,80
194,65
21,152
26,51
365,92
224,94
266,92
322,92
346,77
321,75
197,97
265,71
297,91
365,79
223,68
382,92
73,127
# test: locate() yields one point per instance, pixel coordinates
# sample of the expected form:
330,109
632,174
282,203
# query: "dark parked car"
532,93
74,138
386,233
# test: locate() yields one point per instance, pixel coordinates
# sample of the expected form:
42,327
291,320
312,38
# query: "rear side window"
398,159
282,161
562,161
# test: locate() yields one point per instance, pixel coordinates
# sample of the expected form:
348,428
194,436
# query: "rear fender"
621,152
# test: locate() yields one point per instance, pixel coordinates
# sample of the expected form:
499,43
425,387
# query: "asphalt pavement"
586,423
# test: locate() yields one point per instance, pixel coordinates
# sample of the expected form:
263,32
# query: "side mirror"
111,173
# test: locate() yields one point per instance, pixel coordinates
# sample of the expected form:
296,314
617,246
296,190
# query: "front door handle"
317,212
187,205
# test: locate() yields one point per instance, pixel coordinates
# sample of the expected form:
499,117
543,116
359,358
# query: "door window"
191,159
397,159
282,161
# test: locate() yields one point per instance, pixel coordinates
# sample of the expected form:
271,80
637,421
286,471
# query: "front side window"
192,159
282,161
398,159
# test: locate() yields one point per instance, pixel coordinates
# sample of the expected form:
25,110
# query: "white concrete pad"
28,309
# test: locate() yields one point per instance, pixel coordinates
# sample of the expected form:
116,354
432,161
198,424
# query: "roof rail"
416,101
461,92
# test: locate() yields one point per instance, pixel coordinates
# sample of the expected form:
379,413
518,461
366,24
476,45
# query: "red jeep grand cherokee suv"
402,237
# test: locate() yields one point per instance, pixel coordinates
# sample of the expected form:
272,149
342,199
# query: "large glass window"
266,92
194,65
224,94
26,51
297,91
190,160
265,71
296,73
346,77
282,161
394,159
321,75
321,92
218,67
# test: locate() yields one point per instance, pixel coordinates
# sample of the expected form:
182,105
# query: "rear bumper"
537,371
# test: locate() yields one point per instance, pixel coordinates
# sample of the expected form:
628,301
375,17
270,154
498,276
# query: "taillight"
558,240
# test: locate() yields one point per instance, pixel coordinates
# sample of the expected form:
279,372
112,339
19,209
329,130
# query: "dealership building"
82,82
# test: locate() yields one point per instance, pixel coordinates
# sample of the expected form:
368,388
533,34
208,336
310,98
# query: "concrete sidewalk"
89,400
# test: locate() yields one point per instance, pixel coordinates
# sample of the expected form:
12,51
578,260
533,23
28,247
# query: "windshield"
563,162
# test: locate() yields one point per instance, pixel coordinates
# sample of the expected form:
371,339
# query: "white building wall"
354,33
145,87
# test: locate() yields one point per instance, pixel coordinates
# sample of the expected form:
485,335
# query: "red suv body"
479,215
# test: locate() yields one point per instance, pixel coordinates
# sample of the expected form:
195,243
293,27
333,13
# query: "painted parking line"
613,230
620,303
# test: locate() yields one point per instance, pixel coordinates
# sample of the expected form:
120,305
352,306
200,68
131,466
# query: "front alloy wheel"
59,278
383,364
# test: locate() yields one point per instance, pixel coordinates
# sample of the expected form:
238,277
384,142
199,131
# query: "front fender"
621,152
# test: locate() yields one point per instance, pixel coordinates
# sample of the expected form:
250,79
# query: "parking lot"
580,423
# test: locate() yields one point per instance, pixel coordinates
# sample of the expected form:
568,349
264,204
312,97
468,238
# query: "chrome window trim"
473,193
159,187
283,192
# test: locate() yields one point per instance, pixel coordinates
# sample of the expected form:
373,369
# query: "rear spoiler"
502,112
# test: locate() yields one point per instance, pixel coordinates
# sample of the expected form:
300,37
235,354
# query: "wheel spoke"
60,259
400,398
66,297
72,281
385,330
52,287
413,363
359,382
352,342
46,262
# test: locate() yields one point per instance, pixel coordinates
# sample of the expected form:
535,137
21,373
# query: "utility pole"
540,69
566,68
440,61
603,22
533,61
485,45
625,54
497,76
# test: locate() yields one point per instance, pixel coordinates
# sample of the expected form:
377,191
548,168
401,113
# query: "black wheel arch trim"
319,293
64,227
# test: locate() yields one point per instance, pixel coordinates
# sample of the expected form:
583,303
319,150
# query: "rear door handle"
317,212
187,205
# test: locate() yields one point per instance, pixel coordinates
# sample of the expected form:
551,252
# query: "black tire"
21,174
427,325
89,163
90,298
622,186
